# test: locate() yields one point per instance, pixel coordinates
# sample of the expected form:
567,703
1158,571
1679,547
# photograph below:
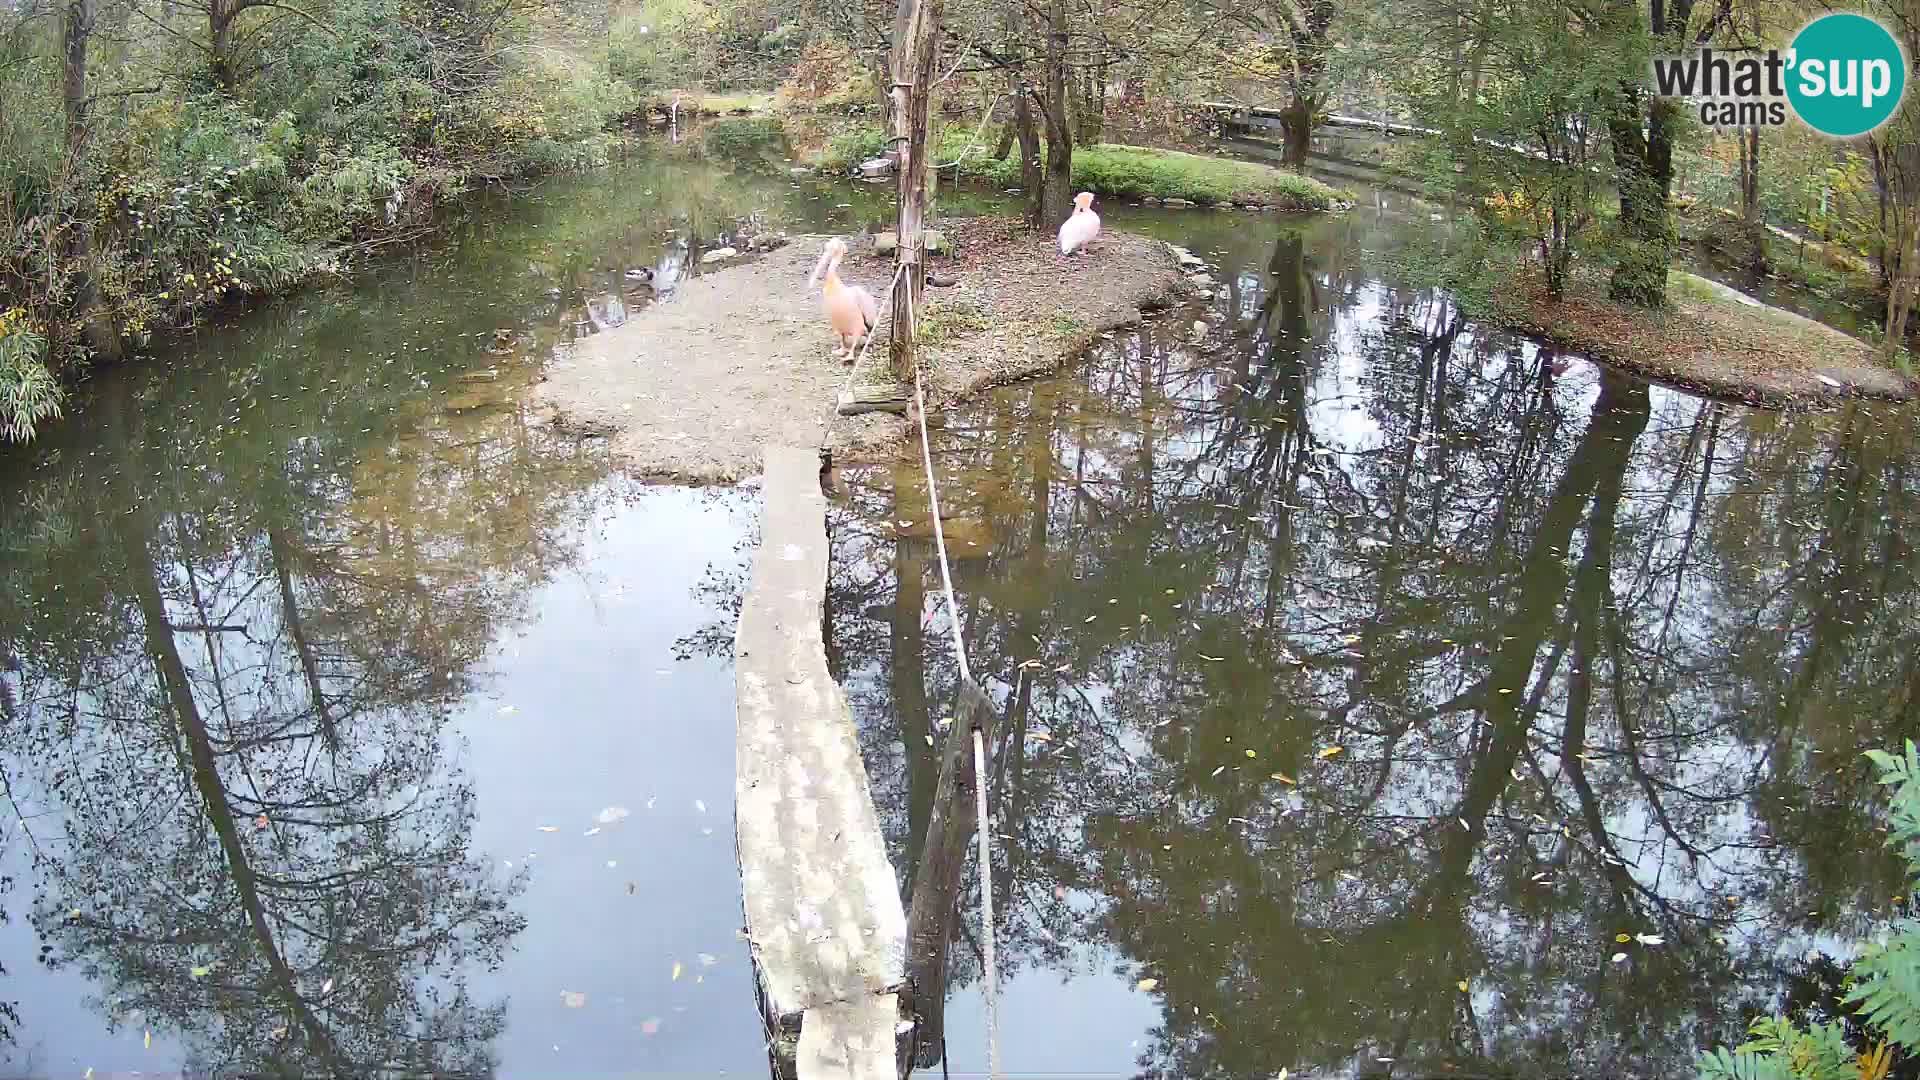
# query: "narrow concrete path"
824,916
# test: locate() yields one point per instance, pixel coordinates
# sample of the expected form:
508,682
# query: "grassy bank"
1126,172
1711,339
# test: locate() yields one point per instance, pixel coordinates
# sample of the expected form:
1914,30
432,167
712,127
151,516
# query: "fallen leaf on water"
574,999
508,710
1215,659
1283,778
1623,938
201,972
549,828
279,1032
707,959
611,864
1650,939
677,969
1217,772
149,1041
1462,984
591,831
650,1026
1252,754
611,814
1147,984
1330,751
700,805
1619,958
327,987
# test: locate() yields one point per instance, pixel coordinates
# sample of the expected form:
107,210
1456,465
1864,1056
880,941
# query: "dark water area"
1348,654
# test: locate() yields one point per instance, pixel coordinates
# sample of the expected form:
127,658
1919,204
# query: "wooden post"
935,906
916,26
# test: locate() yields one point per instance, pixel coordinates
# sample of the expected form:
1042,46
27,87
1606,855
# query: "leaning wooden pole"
935,907
916,28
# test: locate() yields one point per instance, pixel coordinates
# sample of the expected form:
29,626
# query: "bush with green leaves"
1885,981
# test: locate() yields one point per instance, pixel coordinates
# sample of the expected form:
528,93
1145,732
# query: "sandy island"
691,390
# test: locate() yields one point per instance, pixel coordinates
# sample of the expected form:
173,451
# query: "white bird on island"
1078,231
850,308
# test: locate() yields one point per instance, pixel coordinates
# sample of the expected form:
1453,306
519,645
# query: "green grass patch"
1128,172
947,321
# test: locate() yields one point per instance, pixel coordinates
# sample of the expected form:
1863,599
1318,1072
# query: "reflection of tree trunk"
1601,458
206,778
282,556
908,679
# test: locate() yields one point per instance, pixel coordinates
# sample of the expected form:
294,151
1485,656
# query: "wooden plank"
823,910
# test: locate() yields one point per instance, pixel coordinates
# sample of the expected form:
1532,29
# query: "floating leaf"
1327,752
1619,958
611,814
508,710
677,969
708,959
1283,778
1650,939
1462,984
200,972
1252,754
591,831
148,1045
650,1026
327,987
700,805
549,828
1146,984
1623,938
574,999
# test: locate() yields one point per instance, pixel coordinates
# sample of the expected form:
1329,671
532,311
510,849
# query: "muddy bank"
691,390
1716,341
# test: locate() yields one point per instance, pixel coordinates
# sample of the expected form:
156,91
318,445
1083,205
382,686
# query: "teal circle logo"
1846,75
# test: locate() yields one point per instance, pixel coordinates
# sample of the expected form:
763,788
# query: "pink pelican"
1079,230
850,308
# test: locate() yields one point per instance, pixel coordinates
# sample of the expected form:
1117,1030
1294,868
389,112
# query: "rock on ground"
742,357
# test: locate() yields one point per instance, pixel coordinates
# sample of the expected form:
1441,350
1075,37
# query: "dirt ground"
1720,343
742,357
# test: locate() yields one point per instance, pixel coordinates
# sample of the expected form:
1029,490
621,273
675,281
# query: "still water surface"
1364,675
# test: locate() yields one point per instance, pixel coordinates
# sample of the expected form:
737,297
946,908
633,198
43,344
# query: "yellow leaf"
201,972
1623,938
1462,984
1331,750
677,969
149,1041
1147,984
1252,754
1283,778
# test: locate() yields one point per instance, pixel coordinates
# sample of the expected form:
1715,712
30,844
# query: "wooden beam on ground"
827,930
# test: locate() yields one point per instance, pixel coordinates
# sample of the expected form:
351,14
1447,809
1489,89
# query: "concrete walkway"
823,911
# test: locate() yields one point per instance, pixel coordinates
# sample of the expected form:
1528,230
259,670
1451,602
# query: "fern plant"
1886,978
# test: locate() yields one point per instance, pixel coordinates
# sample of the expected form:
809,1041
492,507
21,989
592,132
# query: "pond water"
1363,675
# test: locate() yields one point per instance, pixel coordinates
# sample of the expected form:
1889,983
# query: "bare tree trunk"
1025,127
916,28
1753,223
1056,191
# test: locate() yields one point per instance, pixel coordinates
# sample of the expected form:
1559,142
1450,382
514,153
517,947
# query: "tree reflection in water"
260,846
1372,655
